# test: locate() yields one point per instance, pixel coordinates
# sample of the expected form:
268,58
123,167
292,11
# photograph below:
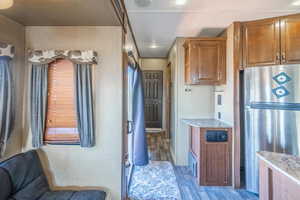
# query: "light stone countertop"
289,165
206,123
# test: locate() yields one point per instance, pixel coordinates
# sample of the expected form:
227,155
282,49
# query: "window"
61,124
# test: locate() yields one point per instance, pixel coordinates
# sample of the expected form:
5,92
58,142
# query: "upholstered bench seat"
22,178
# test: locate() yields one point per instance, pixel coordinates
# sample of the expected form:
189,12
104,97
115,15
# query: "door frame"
168,99
237,67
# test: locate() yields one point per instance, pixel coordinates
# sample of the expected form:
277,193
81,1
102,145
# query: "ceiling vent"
143,3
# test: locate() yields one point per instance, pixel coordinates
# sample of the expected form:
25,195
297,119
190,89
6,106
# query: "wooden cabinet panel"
205,61
195,141
261,43
216,164
274,185
215,159
290,39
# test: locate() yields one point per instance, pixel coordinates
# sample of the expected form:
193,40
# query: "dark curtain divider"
140,150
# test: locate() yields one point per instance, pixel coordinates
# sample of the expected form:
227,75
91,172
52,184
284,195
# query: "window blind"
61,124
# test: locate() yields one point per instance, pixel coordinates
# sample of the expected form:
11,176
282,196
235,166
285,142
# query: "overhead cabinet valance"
7,50
76,56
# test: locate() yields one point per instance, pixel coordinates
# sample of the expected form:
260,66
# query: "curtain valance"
76,56
7,50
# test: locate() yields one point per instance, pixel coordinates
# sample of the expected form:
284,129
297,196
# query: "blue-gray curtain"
6,102
38,102
140,150
84,104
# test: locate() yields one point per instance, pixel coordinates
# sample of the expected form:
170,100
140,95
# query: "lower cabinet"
274,185
211,148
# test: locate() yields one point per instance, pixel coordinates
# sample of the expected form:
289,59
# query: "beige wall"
161,65
100,165
13,33
198,103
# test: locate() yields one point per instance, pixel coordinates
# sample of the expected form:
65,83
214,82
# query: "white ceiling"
158,22
62,13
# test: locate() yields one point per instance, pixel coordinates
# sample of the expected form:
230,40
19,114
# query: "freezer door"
272,84
269,130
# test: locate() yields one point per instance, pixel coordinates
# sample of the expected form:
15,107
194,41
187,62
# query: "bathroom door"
153,92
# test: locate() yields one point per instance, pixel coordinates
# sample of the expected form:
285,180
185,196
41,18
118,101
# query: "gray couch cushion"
5,185
74,195
33,190
89,195
26,175
57,195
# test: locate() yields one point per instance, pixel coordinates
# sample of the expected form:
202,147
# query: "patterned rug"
156,181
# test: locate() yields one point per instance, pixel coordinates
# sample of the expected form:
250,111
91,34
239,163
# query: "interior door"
261,42
153,93
290,39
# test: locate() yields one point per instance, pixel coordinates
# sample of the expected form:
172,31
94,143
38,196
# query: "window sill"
68,143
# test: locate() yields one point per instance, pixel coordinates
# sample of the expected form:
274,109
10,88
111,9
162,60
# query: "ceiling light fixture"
4,4
296,3
180,2
153,46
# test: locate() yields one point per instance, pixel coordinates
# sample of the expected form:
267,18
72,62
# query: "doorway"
155,180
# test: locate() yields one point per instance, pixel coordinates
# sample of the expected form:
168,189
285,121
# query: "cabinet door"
290,39
215,161
261,43
208,54
216,164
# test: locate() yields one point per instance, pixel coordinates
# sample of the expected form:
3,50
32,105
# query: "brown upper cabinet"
271,41
205,61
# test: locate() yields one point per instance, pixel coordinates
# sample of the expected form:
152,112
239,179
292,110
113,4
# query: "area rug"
156,181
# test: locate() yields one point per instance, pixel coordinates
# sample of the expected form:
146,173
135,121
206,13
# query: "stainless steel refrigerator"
272,115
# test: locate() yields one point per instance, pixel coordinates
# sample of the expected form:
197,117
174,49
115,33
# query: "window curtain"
6,95
6,102
38,102
83,64
84,104
140,149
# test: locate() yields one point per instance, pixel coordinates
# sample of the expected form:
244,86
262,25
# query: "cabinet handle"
283,57
278,56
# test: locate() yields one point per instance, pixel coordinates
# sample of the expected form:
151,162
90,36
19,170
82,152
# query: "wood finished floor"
159,150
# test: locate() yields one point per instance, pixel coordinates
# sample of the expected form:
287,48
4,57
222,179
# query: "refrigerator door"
272,115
